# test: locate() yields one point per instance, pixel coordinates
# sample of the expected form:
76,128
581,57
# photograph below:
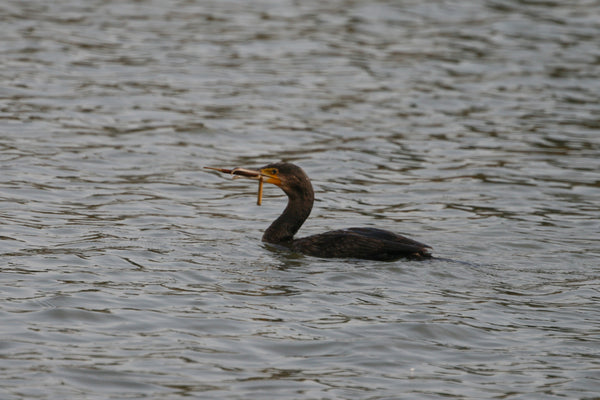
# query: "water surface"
129,272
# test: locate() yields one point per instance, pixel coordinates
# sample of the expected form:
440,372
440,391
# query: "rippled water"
129,272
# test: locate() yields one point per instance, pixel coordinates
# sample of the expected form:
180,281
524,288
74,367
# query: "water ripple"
130,273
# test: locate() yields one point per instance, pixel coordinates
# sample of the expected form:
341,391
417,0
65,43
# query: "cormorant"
361,243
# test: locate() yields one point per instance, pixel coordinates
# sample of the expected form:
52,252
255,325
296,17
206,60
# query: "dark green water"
129,272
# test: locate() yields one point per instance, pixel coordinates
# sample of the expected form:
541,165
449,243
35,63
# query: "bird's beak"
269,177
262,175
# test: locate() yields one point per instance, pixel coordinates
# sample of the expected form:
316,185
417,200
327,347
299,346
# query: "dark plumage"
363,243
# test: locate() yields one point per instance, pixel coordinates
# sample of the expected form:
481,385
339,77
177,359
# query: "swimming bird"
360,243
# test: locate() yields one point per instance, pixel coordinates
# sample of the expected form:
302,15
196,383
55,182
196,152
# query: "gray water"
129,272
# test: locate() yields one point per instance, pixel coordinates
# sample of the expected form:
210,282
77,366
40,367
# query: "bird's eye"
273,171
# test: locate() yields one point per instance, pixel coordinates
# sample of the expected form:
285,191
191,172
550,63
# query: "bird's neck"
298,209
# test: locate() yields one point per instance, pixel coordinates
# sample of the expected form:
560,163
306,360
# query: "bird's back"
362,243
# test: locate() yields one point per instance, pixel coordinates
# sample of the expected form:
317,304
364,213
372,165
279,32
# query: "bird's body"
361,243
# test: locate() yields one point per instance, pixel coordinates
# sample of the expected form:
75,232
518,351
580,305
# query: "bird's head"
289,177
